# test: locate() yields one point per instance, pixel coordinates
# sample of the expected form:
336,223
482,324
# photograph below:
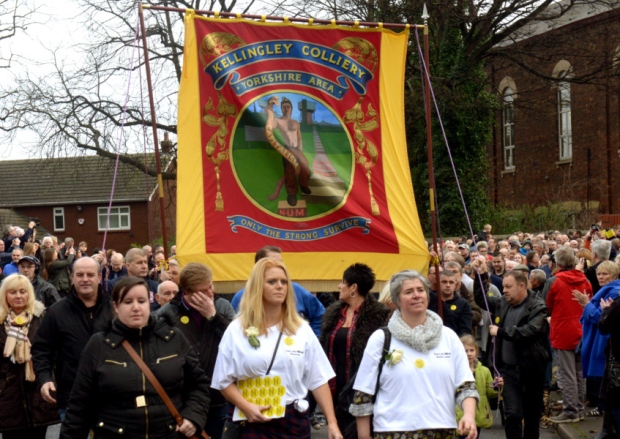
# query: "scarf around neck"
423,337
17,345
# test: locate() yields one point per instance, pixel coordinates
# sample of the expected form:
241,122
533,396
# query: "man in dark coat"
65,330
137,265
203,319
457,314
520,330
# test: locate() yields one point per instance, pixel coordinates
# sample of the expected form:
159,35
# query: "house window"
119,218
59,219
564,118
508,124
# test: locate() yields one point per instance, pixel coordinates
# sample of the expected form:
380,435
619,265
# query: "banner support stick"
160,181
429,147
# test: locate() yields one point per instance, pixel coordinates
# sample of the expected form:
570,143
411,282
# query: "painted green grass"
259,172
259,166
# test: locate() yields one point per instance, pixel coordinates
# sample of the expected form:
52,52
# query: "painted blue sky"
321,114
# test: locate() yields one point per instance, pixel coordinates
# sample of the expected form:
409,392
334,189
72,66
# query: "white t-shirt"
300,360
417,393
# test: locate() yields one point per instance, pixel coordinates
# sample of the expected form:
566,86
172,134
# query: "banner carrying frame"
308,265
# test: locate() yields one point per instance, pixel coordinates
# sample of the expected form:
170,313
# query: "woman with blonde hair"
385,297
593,342
23,412
269,359
29,249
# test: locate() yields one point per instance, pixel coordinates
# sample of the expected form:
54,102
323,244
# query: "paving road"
497,432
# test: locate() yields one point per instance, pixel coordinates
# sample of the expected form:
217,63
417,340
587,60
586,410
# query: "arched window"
508,124
565,130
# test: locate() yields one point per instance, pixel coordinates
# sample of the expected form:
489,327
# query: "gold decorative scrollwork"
366,153
217,148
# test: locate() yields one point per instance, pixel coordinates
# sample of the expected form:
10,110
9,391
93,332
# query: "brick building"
557,136
70,197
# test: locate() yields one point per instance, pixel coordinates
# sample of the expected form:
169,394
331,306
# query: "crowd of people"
430,356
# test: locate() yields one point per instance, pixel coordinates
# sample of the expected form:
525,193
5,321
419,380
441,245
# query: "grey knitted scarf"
422,338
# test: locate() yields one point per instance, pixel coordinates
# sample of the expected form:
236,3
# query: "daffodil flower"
252,333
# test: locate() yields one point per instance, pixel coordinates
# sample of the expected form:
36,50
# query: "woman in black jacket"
112,396
347,325
23,412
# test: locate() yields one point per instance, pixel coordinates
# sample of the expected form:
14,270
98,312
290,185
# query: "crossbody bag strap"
387,341
275,351
156,385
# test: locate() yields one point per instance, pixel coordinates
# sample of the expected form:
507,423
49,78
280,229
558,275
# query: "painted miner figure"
295,163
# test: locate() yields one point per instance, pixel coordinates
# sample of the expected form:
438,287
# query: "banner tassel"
219,200
373,203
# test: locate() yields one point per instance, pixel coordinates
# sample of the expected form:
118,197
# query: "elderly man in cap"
463,250
44,291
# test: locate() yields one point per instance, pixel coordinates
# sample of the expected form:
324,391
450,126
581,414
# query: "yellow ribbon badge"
185,320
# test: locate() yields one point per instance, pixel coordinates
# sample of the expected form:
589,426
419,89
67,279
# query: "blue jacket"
10,269
593,342
308,306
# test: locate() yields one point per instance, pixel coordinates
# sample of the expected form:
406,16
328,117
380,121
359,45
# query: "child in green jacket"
486,386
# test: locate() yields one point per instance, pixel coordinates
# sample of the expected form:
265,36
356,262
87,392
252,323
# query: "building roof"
9,216
579,11
86,179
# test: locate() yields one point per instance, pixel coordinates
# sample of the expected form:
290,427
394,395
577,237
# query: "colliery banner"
293,135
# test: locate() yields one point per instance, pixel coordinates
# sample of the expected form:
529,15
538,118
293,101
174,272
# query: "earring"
353,295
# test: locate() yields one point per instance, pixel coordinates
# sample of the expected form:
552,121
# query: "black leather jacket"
530,334
112,396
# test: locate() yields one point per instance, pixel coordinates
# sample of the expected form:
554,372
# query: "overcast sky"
53,29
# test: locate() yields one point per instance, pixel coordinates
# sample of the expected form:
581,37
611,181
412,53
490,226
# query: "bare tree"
14,17
77,105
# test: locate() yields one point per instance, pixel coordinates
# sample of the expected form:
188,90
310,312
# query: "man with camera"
10,233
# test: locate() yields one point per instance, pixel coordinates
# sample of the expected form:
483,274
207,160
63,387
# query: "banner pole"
160,181
429,147
290,19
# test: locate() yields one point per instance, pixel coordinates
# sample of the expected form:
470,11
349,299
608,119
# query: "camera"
596,227
36,220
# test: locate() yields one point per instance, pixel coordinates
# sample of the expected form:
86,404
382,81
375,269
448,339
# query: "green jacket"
484,386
